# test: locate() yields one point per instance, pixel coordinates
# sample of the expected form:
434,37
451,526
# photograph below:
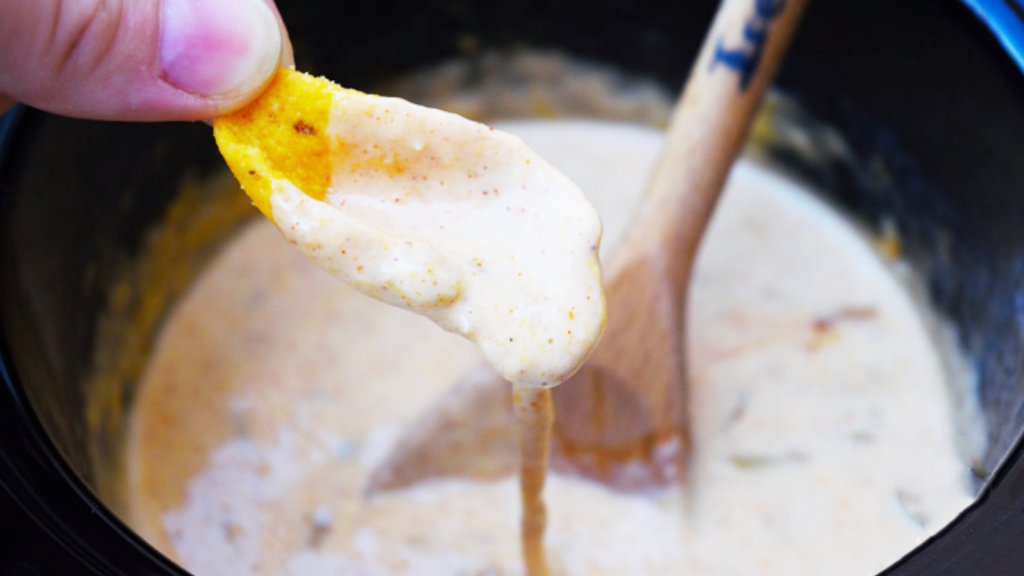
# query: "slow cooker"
934,89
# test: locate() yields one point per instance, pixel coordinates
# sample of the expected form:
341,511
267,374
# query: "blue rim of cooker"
1005,18
989,534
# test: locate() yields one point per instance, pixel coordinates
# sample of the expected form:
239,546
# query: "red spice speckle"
828,322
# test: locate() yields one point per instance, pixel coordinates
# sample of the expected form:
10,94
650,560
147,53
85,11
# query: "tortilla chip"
281,135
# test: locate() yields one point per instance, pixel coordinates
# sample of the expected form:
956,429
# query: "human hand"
139,60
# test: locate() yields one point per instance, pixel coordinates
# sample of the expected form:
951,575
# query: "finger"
139,59
287,54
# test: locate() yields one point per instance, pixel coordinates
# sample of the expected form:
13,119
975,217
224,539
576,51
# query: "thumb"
138,59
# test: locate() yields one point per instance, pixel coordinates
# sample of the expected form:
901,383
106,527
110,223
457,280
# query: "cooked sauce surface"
823,429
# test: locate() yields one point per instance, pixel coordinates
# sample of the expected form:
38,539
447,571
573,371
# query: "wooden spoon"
623,418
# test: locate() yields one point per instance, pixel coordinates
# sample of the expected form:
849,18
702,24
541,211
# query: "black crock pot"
921,87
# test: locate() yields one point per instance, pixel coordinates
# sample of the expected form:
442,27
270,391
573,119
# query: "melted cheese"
460,223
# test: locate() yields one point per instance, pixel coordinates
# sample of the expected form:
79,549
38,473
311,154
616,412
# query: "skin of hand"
139,60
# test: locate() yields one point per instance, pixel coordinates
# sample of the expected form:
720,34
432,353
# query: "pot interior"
933,131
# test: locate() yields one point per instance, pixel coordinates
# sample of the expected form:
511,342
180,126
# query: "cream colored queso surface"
823,427
461,223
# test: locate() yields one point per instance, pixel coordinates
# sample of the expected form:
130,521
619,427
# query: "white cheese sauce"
461,223
824,436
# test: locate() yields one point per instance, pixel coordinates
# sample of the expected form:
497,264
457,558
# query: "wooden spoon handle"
737,62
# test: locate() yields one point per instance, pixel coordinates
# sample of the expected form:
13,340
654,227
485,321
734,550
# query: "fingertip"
287,52
158,60
224,50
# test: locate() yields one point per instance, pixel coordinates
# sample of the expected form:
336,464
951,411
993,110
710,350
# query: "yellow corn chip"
281,134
